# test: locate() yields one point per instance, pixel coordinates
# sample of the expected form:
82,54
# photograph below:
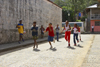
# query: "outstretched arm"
45,30
72,29
16,26
63,29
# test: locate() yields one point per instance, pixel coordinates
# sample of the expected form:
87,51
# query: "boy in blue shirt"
35,34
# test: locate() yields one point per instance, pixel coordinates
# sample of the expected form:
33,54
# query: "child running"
20,27
57,28
50,34
75,34
79,33
67,29
35,34
42,29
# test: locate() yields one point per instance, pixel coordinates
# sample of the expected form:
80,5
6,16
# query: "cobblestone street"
93,57
59,56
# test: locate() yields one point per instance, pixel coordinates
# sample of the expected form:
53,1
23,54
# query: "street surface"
93,56
59,56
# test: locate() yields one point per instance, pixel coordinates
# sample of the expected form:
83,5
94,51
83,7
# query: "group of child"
50,31
76,31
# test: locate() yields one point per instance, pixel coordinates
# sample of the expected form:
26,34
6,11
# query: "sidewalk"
5,47
93,57
91,33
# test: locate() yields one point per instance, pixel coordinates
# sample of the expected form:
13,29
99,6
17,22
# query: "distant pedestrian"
79,33
92,28
35,34
20,27
75,35
50,34
42,29
67,29
57,28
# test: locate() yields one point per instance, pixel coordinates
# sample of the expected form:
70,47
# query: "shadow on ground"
81,41
53,49
79,46
20,48
71,48
37,50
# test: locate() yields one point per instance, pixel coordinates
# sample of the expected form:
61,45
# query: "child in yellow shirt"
20,30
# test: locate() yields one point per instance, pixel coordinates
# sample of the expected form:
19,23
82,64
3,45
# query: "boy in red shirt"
50,34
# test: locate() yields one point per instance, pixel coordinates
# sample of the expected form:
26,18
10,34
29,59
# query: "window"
79,24
72,24
97,23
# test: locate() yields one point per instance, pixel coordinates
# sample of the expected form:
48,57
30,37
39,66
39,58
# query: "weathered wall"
95,11
11,11
96,28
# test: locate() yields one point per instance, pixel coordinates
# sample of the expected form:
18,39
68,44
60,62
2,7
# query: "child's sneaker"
33,47
74,44
68,45
77,41
36,46
51,47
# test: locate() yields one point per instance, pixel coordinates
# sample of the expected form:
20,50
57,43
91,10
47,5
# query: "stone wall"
41,11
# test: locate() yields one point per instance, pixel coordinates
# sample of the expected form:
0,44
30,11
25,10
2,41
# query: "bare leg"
80,36
19,38
50,44
36,43
41,36
22,38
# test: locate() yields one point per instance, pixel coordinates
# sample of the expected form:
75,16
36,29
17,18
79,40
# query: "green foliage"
78,21
83,18
73,6
66,17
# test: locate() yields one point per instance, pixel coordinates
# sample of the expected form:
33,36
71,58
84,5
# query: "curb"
27,44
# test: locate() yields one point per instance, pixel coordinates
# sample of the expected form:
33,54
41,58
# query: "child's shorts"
21,34
35,37
50,38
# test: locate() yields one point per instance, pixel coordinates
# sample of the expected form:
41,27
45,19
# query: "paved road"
93,57
59,56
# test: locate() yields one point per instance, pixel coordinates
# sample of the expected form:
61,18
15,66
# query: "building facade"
93,18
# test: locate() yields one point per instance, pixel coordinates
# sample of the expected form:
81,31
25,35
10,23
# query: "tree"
73,6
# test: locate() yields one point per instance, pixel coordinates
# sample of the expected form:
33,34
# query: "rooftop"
93,6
